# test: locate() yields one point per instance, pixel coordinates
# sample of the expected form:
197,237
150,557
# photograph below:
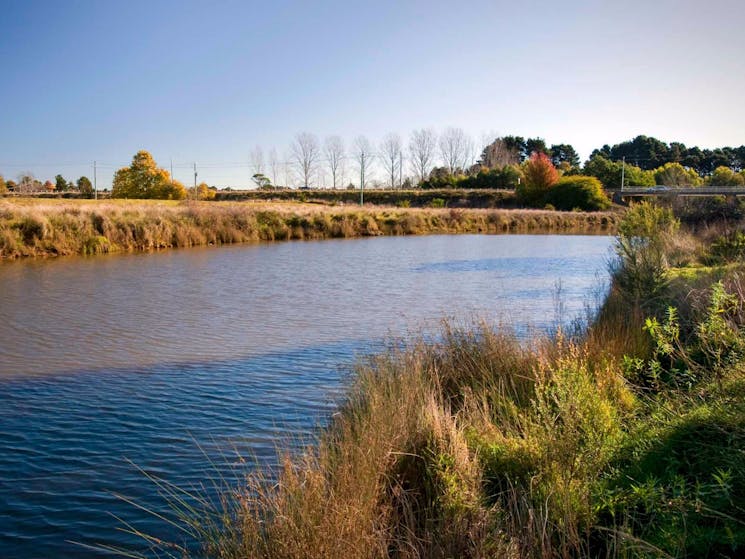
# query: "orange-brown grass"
60,227
475,446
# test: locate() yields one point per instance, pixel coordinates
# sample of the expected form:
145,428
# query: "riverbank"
34,227
620,440
415,198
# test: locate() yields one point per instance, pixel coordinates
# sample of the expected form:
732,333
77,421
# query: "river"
183,363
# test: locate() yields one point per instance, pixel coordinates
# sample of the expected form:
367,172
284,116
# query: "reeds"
61,227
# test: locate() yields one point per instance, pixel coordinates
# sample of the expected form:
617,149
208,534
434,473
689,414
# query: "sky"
207,82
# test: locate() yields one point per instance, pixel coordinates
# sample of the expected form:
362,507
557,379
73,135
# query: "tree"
27,183
275,165
564,153
540,176
256,160
202,192
498,154
60,184
3,186
333,147
454,149
305,154
610,173
262,181
392,157
643,151
85,186
517,145
422,146
674,174
536,145
144,179
48,186
363,154
724,176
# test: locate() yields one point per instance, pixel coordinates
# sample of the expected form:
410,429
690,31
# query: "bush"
642,241
506,177
540,176
578,191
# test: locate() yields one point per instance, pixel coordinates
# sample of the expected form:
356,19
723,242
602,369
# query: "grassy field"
623,439
44,227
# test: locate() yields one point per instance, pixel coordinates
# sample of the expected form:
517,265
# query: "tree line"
431,160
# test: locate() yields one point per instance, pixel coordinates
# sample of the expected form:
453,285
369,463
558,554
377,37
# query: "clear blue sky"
208,81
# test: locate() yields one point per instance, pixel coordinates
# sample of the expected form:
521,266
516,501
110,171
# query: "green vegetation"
577,192
421,198
624,439
55,227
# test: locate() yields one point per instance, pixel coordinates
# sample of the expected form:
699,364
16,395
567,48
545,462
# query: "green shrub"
437,203
643,236
579,191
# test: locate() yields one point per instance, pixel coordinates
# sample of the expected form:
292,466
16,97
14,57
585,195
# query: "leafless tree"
364,156
391,154
497,154
469,153
334,150
305,155
256,160
274,165
28,183
454,148
422,147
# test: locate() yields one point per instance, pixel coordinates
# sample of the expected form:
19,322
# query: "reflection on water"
170,360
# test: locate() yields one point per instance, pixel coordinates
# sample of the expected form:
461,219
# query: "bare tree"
334,151
305,155
363,154
274,165
27,183
454,148
422,147
498,154
469,153
391,154
256,160
287,171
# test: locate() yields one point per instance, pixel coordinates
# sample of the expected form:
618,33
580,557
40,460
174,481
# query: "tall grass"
623,441
57,227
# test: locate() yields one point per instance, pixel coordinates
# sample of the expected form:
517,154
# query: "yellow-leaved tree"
144,179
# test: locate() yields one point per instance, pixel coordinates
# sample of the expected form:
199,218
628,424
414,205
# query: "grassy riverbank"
418,198
62,227
622,440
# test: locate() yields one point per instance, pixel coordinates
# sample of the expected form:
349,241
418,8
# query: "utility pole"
95,181
623,170
171,169
196,195
362,179
400,170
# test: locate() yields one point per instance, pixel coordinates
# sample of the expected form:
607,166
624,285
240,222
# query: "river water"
183,363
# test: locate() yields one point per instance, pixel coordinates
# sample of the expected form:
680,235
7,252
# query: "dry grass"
60,227
476,446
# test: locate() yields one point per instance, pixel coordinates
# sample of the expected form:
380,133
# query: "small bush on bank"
578,191
540,175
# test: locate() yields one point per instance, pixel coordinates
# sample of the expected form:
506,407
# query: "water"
176,363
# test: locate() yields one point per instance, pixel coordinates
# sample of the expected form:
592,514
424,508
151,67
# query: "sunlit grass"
38,227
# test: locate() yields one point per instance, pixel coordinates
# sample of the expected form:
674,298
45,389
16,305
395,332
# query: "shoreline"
44,228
